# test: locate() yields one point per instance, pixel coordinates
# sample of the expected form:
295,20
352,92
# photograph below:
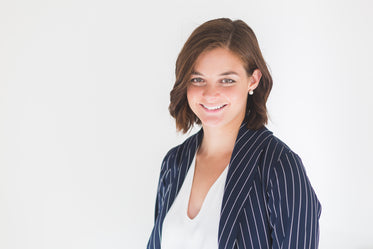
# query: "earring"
251,92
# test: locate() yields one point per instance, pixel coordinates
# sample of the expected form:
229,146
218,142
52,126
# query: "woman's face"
218,88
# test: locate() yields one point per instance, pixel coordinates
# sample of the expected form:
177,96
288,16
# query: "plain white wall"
84,125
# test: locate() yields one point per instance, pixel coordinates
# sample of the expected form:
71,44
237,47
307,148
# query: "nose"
210,92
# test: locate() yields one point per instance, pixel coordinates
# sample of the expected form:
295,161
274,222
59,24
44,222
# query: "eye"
197,81
227,81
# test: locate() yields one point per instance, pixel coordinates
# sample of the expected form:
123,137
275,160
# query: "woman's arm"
293,206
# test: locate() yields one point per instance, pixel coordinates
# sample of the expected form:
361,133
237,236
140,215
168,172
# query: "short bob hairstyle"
240,39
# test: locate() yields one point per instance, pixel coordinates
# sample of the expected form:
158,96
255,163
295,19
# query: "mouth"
213,108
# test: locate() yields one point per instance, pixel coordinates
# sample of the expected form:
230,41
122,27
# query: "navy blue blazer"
268,200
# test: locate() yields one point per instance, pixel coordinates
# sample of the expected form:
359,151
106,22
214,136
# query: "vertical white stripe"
249,230
256,226
261,215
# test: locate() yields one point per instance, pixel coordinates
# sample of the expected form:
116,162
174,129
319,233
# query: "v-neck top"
201,232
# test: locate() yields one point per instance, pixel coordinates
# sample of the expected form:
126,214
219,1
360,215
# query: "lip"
213,108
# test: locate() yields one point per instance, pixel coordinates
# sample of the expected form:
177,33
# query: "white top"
201,232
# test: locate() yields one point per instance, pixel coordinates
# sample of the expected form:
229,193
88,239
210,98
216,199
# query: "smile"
213,108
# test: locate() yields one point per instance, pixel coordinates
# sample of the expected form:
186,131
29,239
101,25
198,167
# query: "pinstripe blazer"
268,201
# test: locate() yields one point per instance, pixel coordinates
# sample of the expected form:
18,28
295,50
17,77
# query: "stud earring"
251,92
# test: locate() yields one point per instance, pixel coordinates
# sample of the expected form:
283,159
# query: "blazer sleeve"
157,202
293,206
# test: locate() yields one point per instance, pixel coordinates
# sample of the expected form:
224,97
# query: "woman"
233,184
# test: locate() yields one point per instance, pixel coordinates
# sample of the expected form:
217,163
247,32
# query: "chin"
222,121
209,122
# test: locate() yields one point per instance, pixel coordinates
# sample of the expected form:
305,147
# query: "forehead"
218,60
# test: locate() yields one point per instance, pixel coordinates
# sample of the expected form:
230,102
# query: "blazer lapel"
241,173
182,165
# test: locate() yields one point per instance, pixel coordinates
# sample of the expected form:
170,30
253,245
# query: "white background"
84,125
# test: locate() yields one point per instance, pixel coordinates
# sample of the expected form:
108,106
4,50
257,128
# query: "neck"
218,140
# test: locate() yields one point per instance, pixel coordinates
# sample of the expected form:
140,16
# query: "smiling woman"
233,184
241,43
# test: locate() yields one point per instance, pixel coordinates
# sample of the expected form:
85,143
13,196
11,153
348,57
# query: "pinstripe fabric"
268,200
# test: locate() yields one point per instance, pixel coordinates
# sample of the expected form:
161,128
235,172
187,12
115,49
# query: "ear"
254,79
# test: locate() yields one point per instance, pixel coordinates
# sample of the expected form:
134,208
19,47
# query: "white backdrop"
84,125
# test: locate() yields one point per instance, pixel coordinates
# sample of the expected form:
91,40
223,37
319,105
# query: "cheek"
236,94
192,93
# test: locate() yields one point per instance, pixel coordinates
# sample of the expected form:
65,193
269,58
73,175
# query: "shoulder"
175,155
279,159
284,172
275,148
271,147
278,152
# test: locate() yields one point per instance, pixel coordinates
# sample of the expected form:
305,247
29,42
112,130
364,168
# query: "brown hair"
239,38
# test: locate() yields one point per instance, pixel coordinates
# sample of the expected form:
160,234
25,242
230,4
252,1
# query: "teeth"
213,108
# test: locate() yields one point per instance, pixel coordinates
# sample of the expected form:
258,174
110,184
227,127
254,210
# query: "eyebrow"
222,74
